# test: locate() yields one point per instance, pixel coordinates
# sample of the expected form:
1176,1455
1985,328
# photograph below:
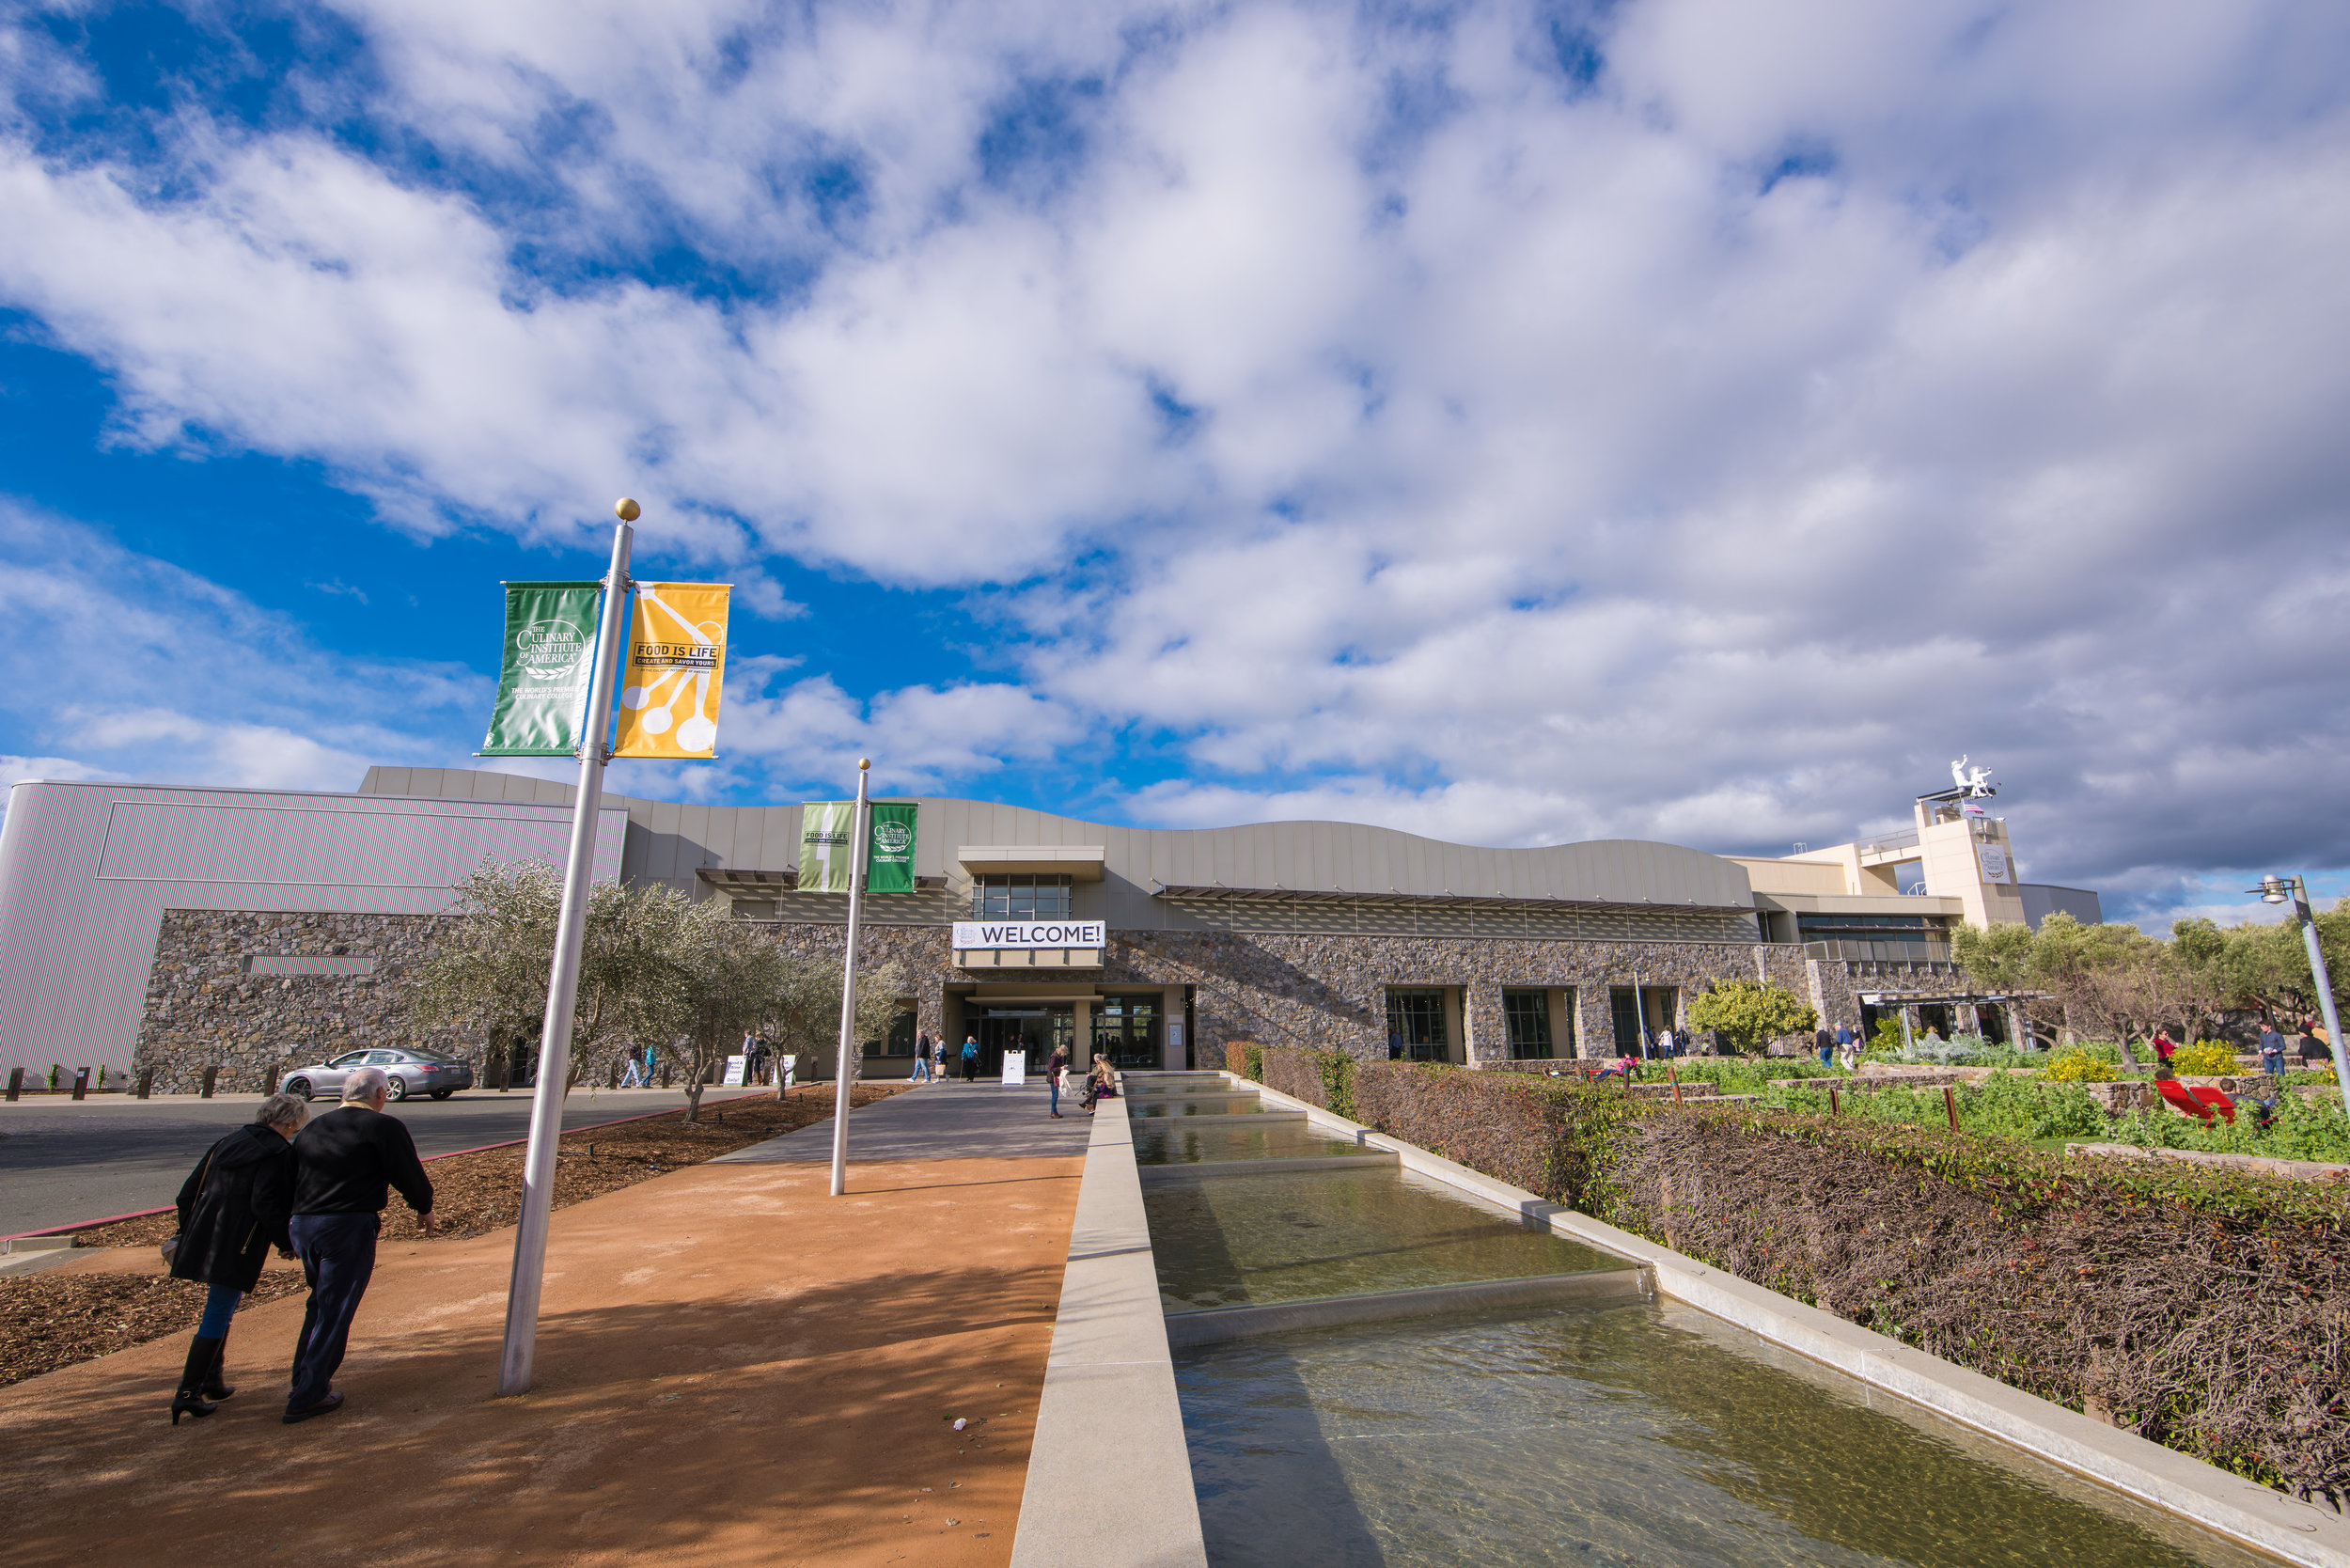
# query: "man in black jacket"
345,1163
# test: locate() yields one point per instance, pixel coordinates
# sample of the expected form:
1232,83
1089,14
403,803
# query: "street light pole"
2277,889
555,1039
843,1062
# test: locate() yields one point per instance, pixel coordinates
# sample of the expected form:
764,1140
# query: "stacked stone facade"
204,1009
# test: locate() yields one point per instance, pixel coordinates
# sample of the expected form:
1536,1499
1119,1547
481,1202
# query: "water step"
1238,1119
1157,1095
1189,1169
1216,1324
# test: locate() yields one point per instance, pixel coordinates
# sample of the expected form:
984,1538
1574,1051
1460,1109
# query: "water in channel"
1646,1432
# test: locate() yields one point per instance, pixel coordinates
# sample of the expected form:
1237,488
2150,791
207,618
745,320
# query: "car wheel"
397,1088
443,1093
298,1086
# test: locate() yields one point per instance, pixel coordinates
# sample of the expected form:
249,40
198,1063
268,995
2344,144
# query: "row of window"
1419,1019
1020,895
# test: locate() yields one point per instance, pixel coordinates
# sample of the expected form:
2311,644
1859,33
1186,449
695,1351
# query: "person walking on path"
233,1207
922,1057
1055,1065
2272,1050
2163,1047
345,1163
970,1059
1825,1038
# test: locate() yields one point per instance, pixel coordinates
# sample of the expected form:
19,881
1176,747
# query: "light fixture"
2279,890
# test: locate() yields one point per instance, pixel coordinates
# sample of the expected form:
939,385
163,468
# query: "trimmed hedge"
2205,1310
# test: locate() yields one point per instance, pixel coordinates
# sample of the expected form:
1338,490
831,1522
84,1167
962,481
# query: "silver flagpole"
844,1063
555,1039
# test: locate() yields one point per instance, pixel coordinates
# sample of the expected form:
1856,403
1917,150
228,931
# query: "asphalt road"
64,1164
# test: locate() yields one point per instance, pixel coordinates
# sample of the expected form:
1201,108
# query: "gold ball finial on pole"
863,763
626,510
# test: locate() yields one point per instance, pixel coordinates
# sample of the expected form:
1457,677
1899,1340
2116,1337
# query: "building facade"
168,932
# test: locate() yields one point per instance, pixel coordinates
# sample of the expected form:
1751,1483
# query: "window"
1639,1012
1525,1019
900,1040
1416,1031
1019,896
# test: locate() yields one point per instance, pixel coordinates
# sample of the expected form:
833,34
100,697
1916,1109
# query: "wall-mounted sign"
1030,933
1994,858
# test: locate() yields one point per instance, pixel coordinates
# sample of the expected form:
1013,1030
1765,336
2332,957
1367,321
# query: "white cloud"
1708,451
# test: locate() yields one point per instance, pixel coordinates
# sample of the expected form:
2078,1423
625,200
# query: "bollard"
1833,1108
81,1082
1675,1076
147,1084
211,1076
1950,1104
16,1082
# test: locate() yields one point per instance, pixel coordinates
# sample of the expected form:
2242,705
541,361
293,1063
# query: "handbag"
171,1243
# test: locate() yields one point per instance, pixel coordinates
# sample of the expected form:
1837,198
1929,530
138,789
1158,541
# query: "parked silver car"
410,1071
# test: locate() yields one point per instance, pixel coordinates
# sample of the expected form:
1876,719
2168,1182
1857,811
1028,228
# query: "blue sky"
1512,422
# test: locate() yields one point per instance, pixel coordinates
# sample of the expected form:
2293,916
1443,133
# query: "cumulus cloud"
1512,423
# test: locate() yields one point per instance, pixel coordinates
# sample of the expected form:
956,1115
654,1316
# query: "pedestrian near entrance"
1665,1040
922,1057
1055,1065
345,1164
2272,1049
233,1209
938,1057
971,1059
1825,1038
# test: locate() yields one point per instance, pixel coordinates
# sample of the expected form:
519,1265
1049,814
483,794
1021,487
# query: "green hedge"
2200,1308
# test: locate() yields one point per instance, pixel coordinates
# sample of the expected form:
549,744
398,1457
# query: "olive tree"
489,972
1747,1015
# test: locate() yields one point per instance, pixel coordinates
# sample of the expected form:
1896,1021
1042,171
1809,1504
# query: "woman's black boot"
190,1400
214,1389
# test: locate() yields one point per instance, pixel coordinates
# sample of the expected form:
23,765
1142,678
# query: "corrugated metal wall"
87,869
668,842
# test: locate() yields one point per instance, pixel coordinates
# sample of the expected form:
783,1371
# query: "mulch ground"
52,1320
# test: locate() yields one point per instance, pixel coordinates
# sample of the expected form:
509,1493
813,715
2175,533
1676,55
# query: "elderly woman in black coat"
233,1209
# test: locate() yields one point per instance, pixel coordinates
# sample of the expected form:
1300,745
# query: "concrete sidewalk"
734,1368
945,1121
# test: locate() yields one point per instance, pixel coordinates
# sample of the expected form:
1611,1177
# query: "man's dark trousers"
337,1254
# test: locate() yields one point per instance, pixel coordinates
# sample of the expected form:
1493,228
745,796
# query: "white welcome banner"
1030,933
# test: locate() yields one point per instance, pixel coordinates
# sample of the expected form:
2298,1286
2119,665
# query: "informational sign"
543,670
1023,933
889,858
737,1071
827,832
677,663
1015,1067
1175,1042
1994,858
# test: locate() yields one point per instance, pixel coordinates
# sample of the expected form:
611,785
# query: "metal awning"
767,884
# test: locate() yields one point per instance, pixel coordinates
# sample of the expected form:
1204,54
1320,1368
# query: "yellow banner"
677,656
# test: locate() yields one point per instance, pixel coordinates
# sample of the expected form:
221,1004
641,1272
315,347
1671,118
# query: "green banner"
889,859
827,835
542,679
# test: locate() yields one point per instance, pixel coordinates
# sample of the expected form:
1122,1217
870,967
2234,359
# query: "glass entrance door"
1035,1029
1126,1030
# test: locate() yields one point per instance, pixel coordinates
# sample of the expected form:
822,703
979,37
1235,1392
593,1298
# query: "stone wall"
204,1008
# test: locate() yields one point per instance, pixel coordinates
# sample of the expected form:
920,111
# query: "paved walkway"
949,1121
733,1368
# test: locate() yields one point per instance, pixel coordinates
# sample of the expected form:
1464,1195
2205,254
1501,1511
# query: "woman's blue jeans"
219,1306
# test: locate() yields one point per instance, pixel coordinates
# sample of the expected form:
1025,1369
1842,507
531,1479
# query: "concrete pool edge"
1217,1325
1109,1387
2161,1478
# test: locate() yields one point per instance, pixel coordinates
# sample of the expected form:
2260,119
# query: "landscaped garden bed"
2204,1309
51,1320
